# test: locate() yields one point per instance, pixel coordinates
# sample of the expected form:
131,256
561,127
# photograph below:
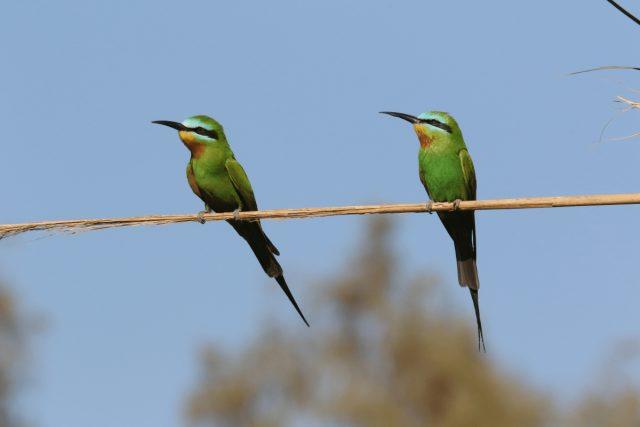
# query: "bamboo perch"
495,204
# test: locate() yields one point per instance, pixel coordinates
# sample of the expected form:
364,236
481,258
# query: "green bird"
216,177
447,173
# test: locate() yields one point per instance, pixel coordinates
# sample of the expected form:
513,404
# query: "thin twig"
630,106
626,12
630,103
495,204
605,67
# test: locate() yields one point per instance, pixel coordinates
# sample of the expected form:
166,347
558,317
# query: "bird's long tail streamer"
287,291
476,306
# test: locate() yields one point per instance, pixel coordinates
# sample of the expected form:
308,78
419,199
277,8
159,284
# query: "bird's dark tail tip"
287,291
476,306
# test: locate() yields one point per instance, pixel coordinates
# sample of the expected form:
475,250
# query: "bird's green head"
431,126
197,132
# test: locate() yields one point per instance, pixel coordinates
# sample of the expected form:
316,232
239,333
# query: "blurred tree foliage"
614,400
392,354
13,333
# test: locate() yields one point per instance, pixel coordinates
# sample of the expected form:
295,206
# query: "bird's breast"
212,179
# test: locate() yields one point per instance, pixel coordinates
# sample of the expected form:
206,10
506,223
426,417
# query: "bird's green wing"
242,185
469,174
470,184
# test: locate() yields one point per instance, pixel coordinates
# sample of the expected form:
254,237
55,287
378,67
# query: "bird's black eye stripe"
206,132
438,124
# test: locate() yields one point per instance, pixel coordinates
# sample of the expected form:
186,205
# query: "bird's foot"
201,219
430,207
236,214
206,210
456,204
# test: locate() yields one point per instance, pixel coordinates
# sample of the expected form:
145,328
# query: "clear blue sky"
298,86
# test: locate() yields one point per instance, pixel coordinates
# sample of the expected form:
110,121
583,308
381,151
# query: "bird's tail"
476,307
265,252
468,276
468,273
287,291
261,246
467,269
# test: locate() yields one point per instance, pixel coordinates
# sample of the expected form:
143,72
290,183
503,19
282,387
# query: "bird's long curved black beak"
403,116
174,125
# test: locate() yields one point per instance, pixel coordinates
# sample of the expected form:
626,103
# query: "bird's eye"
206,132
438,124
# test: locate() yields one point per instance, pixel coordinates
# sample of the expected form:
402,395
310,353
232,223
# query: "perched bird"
447,173
216,177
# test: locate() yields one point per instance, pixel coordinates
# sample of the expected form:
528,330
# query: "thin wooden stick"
624,11
480,205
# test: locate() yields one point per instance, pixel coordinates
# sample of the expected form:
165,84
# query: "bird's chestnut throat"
189,140
423,136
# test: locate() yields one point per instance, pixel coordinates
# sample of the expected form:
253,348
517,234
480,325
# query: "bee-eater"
447,173
216,177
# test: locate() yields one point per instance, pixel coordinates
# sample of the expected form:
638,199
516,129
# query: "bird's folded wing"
469,174
242,185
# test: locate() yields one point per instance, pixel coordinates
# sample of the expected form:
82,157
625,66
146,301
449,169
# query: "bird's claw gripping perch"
236,214
430,207
201,218
456,204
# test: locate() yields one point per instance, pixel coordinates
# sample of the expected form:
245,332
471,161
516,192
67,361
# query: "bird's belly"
220,195
445,183
216,189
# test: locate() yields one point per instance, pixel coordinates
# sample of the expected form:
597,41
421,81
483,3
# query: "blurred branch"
78,225
630,104
613,67
624,11
605,67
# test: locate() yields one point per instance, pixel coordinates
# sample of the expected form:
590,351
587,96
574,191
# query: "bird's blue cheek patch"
192,123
